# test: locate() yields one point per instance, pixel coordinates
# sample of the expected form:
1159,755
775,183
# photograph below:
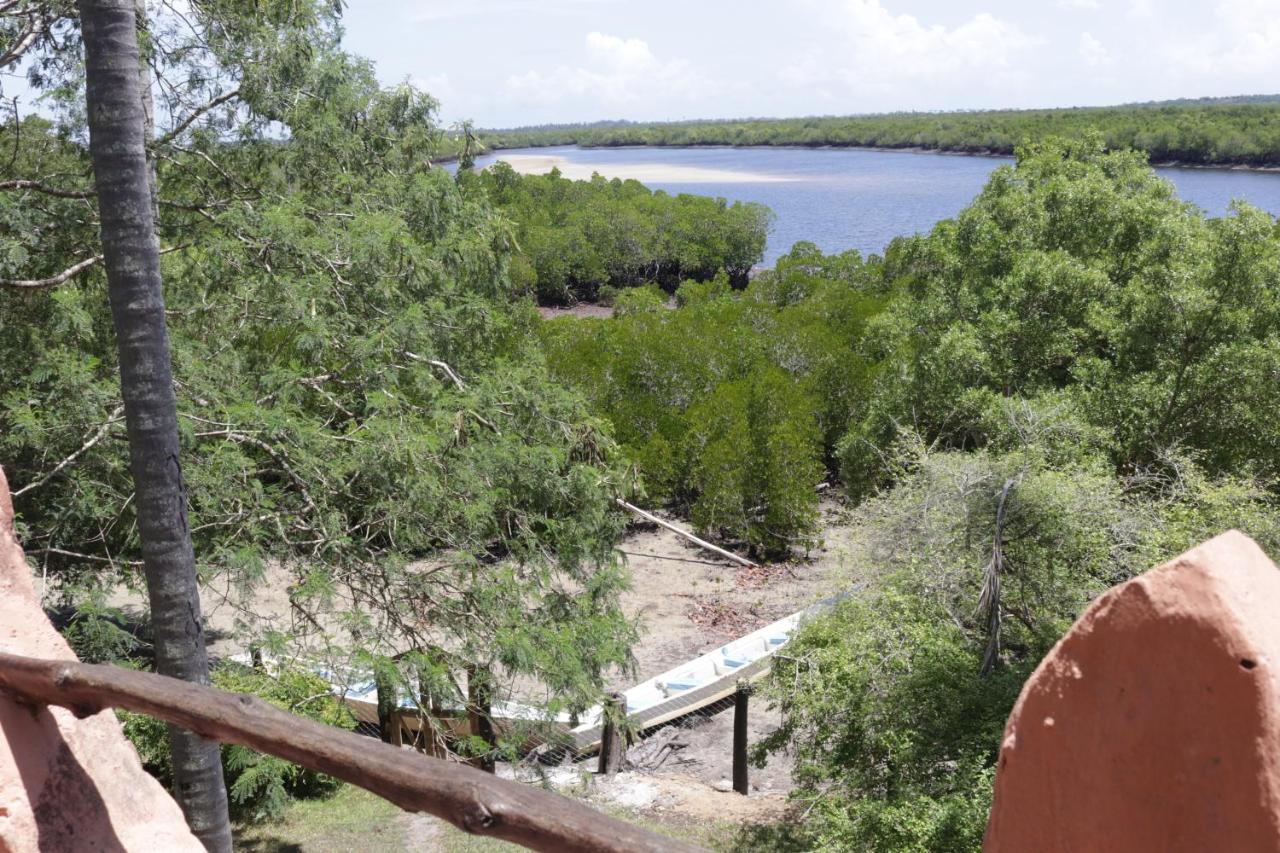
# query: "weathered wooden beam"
648,516
473,801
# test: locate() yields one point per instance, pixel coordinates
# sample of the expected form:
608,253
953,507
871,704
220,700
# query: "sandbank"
659,173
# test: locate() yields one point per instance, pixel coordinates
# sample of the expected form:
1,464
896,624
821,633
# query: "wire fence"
531,750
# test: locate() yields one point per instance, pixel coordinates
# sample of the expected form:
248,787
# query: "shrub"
894,700
260,785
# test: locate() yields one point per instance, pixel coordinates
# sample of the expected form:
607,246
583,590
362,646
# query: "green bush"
1079,275
890,707
260,786
730,404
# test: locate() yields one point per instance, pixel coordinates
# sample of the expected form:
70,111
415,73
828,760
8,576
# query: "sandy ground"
539,164
689,605
582,309
689,602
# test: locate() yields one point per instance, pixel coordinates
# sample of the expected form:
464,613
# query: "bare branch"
112,419
64,276
23,43
53,280
189,120
440,365
88,557
47,190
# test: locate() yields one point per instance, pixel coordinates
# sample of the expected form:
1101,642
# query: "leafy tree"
361,403
1080,275
731,403
577,237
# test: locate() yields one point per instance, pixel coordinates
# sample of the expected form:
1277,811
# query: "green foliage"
1210,130
894,727
260,785
730,403
1079,279
578,237
360,392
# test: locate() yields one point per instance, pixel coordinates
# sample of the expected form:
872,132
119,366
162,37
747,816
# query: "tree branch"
53,280
47,190
112,419
23,43
64,276
473,801
189,120
440,365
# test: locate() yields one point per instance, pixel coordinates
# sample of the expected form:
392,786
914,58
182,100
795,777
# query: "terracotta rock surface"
1155,723
68,784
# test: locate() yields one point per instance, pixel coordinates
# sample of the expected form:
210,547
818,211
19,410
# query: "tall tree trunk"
148,114
132,260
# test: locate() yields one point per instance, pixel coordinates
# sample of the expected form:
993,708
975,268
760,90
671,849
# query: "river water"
845,198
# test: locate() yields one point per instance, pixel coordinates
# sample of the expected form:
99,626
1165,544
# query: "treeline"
1069,383
1201,133
577,237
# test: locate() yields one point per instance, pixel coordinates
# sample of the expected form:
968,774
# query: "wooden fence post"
612,739
740,780
386,701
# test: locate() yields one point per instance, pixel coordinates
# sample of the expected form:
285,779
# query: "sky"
504,63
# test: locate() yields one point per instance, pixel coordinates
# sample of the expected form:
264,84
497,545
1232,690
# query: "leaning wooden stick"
475,802
686,534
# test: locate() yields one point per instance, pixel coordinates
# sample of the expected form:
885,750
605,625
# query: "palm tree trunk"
132,261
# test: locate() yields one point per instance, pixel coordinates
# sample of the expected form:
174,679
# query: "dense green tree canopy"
731,402
1079,279
578,237
1242,131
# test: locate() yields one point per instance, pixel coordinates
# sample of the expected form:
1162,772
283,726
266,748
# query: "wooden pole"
474,802
740,780
612,744
387,703
702,543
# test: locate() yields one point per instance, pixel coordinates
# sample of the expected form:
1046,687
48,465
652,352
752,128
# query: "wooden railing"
471,800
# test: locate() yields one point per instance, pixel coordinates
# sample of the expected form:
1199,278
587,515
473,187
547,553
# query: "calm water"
849,199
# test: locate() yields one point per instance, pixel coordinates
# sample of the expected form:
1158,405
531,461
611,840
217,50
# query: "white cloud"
1249,33
619,70
438,86
882,51
1093,52
1238,39
622,55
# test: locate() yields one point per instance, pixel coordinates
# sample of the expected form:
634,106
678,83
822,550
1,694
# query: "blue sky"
511,62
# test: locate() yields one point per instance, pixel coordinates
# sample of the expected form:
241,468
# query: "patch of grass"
350,820
356,821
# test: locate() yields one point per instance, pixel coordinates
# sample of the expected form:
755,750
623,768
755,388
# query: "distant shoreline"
912,149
